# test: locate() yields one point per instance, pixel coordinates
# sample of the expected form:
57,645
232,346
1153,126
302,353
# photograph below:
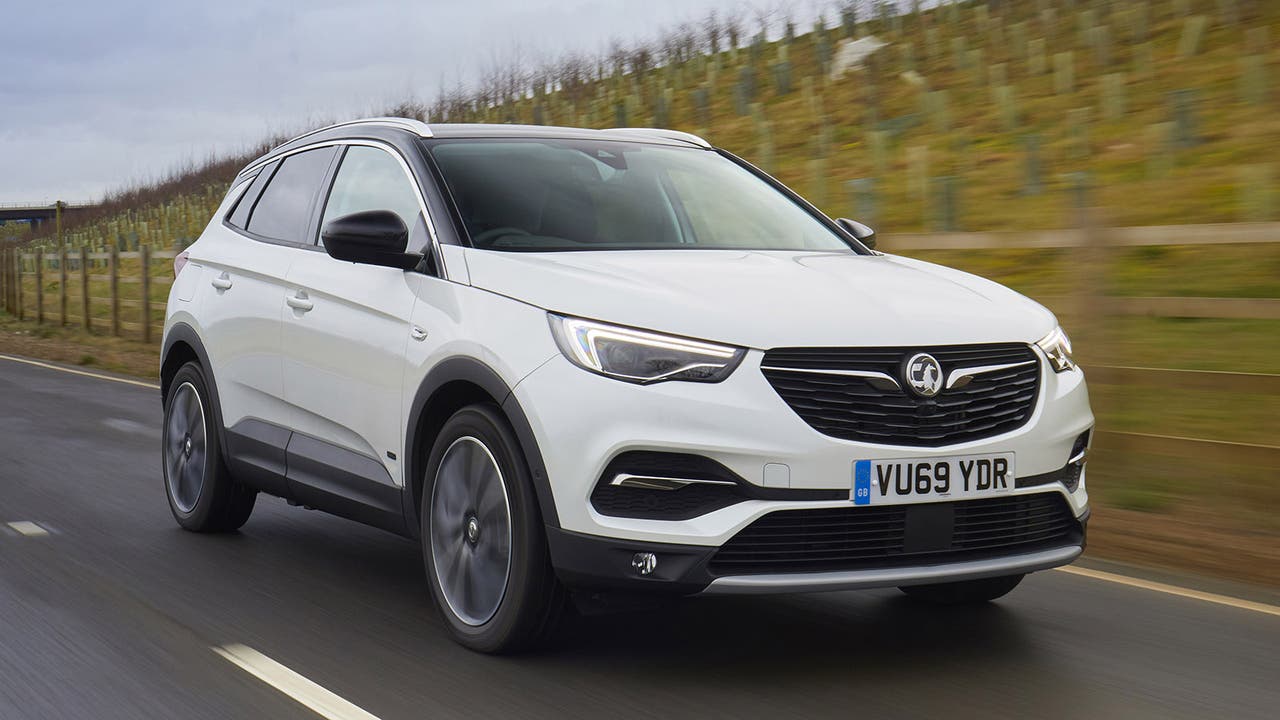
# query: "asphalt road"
115,614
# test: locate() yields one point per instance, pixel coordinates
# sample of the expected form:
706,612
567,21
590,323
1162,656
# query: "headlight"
641,357
1058,347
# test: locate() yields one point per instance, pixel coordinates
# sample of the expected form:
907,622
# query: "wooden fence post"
1093,260
84,286
62,285
115,290
17,283
11,291
39,287
7,281
15,270
4,278
144,256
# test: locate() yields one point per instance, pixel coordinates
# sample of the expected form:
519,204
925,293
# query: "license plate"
915,480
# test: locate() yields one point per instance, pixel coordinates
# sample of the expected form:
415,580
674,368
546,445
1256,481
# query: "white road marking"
85,373
28,528
1173,590
321,701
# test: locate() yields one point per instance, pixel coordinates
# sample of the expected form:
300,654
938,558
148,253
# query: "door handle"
300,301
222,282
417,333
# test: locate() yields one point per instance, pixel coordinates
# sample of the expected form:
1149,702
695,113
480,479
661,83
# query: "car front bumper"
591,563
581,421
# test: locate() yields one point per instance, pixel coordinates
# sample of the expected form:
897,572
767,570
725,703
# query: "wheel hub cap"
470,531
184,448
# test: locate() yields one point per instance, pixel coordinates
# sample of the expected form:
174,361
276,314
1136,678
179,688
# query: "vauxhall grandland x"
575,362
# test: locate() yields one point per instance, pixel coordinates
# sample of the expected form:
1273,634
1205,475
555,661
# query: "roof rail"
417,127
662,133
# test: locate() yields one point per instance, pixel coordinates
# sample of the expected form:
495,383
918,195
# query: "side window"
239,217
372,179
283,212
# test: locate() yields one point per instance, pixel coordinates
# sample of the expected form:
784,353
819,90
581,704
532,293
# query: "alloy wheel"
471,531
185,446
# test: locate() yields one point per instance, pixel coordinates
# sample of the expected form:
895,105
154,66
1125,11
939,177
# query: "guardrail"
111,281
40,205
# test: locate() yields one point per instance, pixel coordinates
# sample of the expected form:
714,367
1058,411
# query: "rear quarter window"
239,215
283,211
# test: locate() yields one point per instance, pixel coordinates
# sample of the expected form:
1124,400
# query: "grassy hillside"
993,115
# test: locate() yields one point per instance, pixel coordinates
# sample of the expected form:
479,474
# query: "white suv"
600,361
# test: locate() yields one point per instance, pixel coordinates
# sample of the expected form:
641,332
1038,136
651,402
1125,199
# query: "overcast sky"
97,94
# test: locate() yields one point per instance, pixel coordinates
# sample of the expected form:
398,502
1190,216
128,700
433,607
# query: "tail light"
180,261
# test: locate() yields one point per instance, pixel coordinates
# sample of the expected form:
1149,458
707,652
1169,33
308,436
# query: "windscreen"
545,195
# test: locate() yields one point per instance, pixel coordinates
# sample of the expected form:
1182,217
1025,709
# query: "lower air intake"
858,538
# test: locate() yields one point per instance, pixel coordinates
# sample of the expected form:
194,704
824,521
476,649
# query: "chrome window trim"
347,142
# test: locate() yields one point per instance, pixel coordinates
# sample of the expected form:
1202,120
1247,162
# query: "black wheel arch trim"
184,333
475,372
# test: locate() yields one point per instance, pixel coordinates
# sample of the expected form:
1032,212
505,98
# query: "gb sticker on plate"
862,482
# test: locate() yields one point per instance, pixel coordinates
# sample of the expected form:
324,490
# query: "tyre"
483,542
967,592
202,494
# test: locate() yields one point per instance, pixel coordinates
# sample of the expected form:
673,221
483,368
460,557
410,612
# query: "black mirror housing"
863,233
372,237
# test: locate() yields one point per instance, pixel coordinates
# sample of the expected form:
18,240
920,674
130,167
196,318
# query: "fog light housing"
644,563
1075,464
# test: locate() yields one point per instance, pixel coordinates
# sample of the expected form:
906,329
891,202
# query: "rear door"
345,329
245,272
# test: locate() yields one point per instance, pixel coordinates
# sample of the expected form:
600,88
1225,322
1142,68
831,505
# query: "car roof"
647,135
396,129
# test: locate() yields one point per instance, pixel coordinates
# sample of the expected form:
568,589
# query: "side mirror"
863,233
373,237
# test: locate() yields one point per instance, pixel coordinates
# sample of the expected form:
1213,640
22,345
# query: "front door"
344,334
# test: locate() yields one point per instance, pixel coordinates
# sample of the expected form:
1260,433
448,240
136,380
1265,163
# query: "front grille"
857,408
859,538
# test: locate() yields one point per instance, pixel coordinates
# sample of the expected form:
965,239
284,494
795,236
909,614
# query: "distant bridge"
36,214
